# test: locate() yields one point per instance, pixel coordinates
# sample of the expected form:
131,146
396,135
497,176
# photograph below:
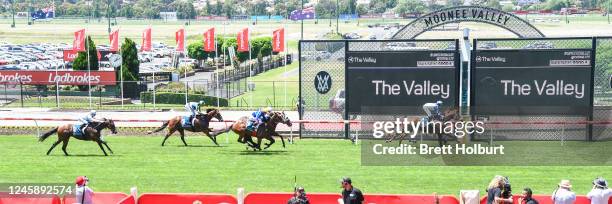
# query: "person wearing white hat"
600,194
564,194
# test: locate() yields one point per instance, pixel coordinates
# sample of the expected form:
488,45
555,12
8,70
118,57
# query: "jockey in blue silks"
433,110
259,117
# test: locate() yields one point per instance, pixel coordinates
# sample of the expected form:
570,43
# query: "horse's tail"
46,135
160,128
227,129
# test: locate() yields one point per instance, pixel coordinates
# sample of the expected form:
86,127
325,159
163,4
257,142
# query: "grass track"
318,164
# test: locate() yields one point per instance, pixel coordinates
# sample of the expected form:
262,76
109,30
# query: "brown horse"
92,132
265,131
200,124
450,115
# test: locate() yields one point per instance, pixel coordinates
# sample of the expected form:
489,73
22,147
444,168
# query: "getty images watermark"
412,128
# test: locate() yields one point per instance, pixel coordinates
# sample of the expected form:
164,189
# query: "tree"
80,63
494,4
228,8
325,9
558,4
409,6
184,9
378,6
508,8
130,64
362,9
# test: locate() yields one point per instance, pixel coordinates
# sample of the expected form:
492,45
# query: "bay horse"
91,133
265,131
450,115
200,124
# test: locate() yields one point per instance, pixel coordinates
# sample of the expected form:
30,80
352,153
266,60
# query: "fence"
323,70
153,95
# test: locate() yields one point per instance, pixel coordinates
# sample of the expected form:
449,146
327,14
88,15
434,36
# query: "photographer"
526,197
600,194
299,197
499,191
564,194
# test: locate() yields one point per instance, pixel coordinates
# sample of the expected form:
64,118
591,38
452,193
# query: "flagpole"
285,55
217,63
250,67
225,58
120,68
88,69
302,17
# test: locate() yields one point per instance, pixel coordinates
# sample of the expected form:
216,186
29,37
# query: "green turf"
270,88
317,163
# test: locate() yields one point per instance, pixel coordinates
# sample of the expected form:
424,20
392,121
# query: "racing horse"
200,124
91,133
265,131
451,115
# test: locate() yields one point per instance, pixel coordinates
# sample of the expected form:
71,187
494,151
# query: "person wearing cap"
600,194
87,119
193,108
84,194
526,197
299,197
433,110
564,194
350,194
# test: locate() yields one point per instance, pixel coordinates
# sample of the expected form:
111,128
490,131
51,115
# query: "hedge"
259,45
179,98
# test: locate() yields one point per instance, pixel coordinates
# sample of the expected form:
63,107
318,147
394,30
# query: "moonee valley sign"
467,14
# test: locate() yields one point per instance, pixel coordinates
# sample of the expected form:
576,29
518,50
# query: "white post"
285,62
217,77
121,84
250,69
88,71
57,100
154,90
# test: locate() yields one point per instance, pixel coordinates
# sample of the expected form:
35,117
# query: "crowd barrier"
262,198
185,198
100,197
266,198
547,199
12,200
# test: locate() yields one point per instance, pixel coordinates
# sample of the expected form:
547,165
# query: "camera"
506,189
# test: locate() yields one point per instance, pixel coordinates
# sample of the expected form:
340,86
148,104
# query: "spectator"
600,194
350,194
84,194
526,197
299,197
494,191
564,194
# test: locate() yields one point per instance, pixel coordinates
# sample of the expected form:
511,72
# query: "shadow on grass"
263,152
85,155
200,146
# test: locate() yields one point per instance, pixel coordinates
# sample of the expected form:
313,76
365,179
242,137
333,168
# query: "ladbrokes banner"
62,77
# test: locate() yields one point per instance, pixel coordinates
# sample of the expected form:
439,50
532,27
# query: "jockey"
87,119
193,108
433,110
259,117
